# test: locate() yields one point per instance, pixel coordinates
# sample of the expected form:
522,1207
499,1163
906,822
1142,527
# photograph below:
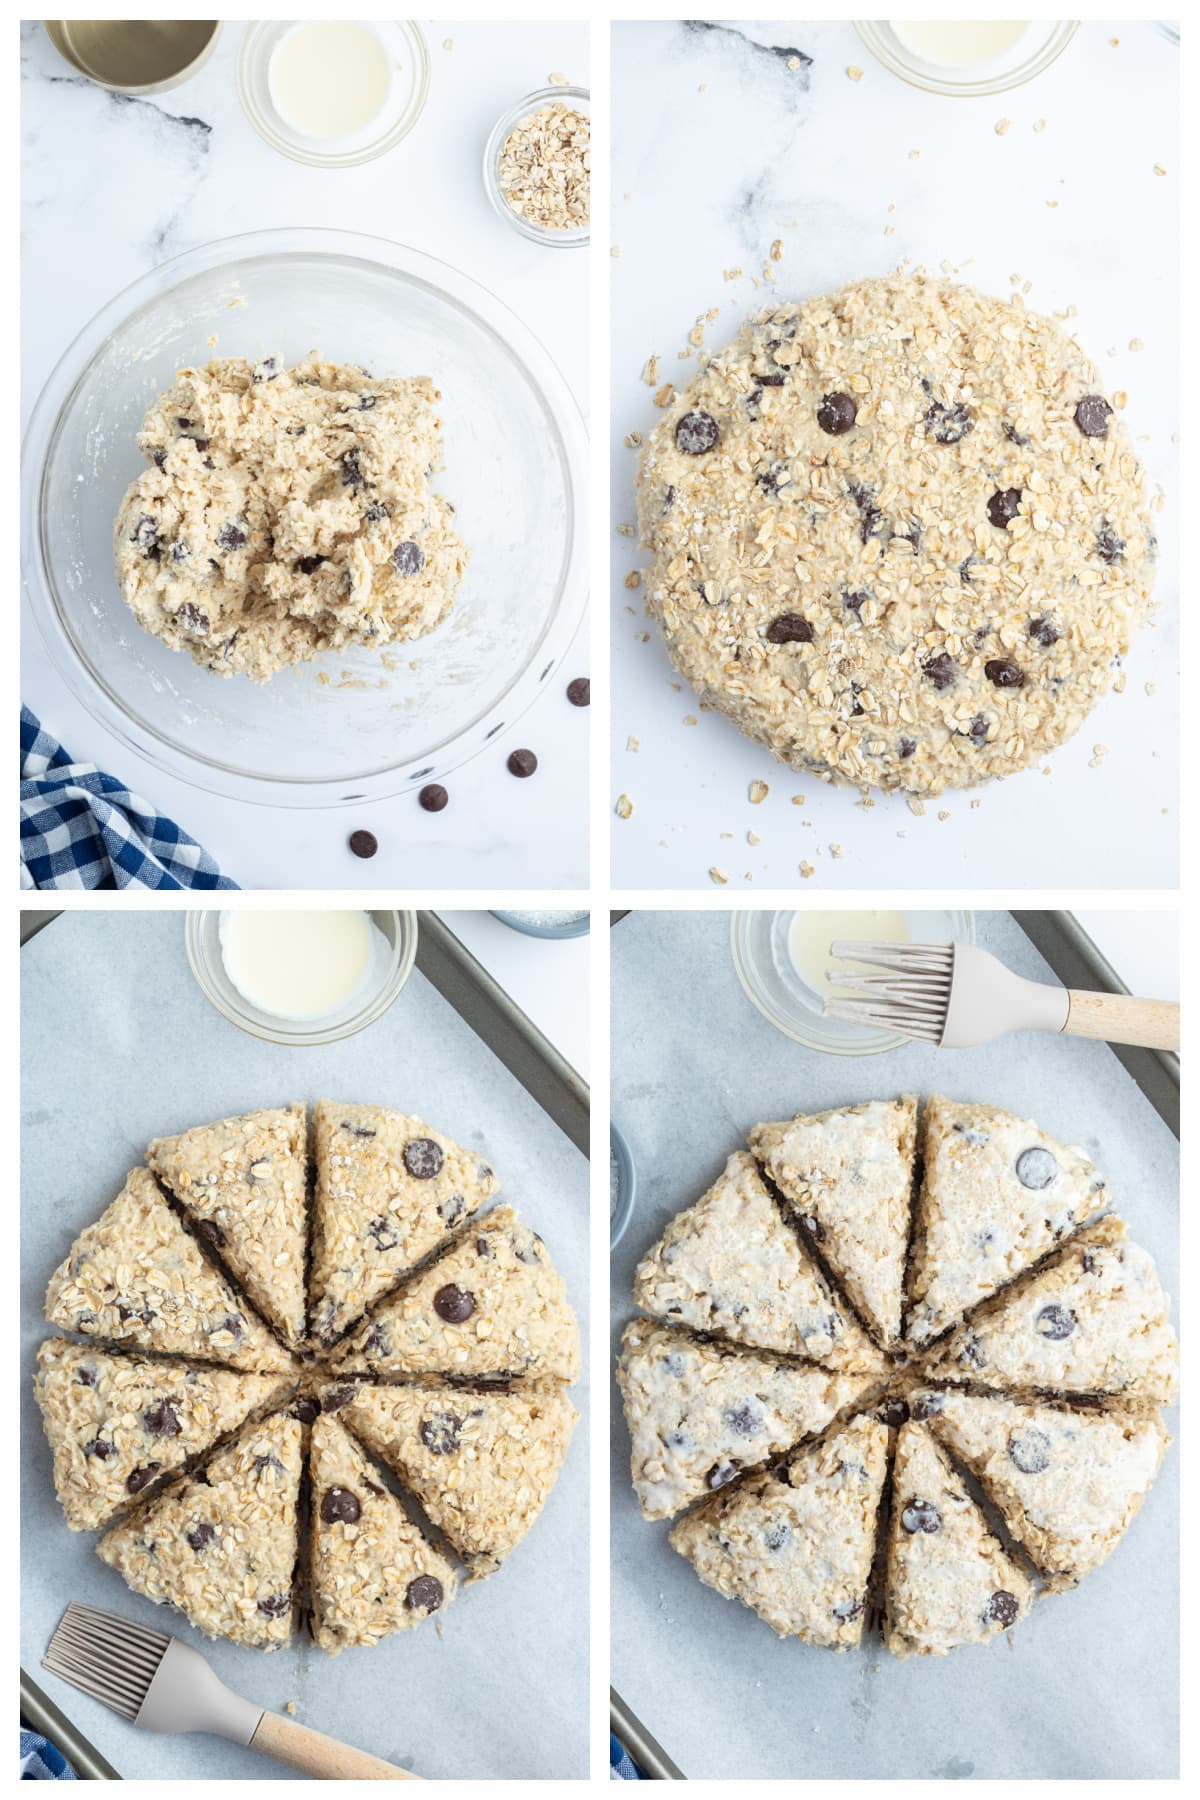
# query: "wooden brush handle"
320,1756
1123,1019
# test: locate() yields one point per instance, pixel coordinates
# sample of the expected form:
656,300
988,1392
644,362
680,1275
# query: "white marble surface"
110,189
547,977
720,148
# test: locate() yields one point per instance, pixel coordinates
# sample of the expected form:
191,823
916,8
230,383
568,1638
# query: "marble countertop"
721,147
111,188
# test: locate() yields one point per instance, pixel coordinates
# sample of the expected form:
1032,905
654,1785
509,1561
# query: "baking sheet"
1088,1686
119,1044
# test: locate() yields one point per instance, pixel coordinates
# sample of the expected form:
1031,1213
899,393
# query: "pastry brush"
161,1684
956,995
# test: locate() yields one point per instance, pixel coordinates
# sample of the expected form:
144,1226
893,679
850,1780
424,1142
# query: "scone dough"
286,512
900,537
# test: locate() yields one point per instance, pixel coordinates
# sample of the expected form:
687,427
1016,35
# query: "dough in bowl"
285,512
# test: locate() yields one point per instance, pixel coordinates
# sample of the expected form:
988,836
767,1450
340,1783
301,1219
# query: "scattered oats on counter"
447,43
734,274
835,850
758,792
719,876
633,579
626,530
559,80
1002,127
777,250
633,743
624,807
1136,344
943,815
1158,169
807,870
690,719
615,251
854,73
665,395
650,371
633,440
753,838
1039,124
545,168
793,63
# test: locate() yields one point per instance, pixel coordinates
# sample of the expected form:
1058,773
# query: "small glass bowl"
560,240
1040,44
404,43
762,958
622,1185
202,938
570,928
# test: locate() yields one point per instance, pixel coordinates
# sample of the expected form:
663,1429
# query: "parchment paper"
1088,1685
119,1045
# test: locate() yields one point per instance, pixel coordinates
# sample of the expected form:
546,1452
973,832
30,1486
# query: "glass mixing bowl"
347,727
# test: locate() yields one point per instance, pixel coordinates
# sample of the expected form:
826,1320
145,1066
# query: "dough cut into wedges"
389,1189
222,1545
699,1413
481,1464
1093,1321
371,1570
949,1582
997,1195
137,1277
731,1264
1067,1484
847,1175
244,1183
117,1423
798,1547
492,1304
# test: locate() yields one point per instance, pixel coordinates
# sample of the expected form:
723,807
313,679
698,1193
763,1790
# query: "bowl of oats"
537,166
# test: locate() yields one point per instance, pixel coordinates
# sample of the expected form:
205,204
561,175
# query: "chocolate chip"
1036,1168
340,1507
161,1420
1043,632
440,1433
977,730
352,475
433,797
1004,674
336,1398
776,477
1092,415
789,628
522,763
453,1304
98,1447
907,748
1055,1323
942,670
409,558
202,1535
308,565
159,458
853,603
777,1535
697,433
1030,1451
948,424
775,378
452,1210
358,1131
869,513
425,1594
964,569
364,844
921,1515
275,1606
483,1247
145,536
848,1609
86,1375
423,1158
378,509
744,1419
367,401
836,414
893,1411
1001,1609
1109,547
1016,437
926,1406
1004,506
307,1409
235,1325
721,1474
579,691
146,1315
141,1478
266,370
381,1235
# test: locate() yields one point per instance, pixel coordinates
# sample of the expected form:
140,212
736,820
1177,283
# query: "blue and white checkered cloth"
621,1766
81,828
40,1761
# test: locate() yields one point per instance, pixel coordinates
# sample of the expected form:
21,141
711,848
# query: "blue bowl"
626,1185
573,929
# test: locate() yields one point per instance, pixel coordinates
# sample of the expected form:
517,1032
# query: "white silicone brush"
956,995
161,1684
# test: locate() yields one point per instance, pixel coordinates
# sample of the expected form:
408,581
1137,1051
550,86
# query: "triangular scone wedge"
949,1581
699,1413
481,1464
1093,1321
389,1189
244,1183
997,1195
798,1546
371,1570
731,1264
848,1176
117,1423
1068,1484
493,1304
137,1277
222,1545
